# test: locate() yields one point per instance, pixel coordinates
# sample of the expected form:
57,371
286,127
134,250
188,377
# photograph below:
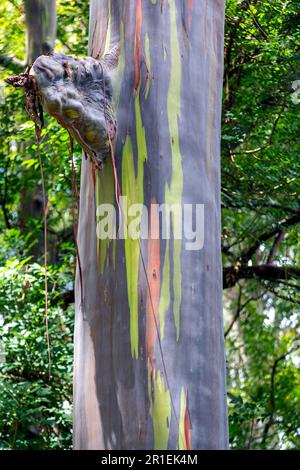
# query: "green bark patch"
174,191
133,188
160,409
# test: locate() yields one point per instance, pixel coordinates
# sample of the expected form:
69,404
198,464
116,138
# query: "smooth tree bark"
40,18
40,27
149,352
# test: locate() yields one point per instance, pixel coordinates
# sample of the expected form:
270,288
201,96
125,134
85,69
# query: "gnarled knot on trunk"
78,93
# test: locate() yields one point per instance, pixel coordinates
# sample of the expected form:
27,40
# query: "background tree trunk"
137,386
40,27
40,39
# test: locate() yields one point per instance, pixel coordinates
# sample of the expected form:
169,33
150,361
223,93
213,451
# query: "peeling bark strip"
152,329
184,440
153,276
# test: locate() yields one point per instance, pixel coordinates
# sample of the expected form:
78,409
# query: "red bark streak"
93,174
190,13
137,45
153,275
187,427
113,162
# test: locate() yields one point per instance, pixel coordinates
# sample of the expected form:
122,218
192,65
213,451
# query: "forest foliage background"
260,236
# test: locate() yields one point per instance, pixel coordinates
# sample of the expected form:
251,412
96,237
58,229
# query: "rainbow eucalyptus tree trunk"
149,354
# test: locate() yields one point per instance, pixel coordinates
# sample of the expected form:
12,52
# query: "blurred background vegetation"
260,237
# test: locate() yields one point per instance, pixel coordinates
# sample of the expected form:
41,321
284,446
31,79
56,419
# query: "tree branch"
256,22
13,64
268,272
278,239
271,138
239,310
286,222
249,204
